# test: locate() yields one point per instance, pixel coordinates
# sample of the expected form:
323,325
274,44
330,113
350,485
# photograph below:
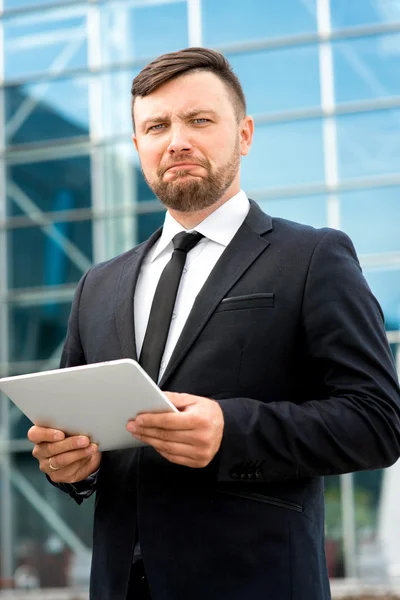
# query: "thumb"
181,401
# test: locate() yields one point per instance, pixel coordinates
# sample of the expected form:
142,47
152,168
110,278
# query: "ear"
134,140
246,135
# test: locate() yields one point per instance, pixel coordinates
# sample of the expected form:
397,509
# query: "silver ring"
51,466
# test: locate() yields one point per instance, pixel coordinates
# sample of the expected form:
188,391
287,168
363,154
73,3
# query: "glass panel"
369,143
116,104
58,109
308,210
36,335
363,12
49,256
284,154
124,188
278,80
367,68
47,111
371,218
13,4
385,284
49,40
132,32
36,332
230,21
333,528
148,223
62,184
367,496
40,550
125,183
124,233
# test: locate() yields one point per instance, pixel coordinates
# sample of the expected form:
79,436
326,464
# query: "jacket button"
258,474
234,475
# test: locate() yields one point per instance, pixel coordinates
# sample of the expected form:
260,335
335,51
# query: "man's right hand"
64,459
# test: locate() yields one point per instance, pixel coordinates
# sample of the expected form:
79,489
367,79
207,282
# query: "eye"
201,121
157,127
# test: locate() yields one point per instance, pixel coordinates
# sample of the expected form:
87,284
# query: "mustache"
202,162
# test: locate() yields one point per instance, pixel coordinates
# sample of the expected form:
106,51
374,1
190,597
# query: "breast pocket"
247,301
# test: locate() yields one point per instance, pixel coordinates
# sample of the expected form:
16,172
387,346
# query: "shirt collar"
220,226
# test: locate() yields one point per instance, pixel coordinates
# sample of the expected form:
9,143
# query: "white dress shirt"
218,229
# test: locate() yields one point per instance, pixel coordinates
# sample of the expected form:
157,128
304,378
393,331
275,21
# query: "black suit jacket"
287,337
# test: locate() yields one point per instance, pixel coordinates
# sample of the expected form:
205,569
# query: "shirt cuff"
87,486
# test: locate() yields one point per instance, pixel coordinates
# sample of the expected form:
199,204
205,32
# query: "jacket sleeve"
73,356
355,423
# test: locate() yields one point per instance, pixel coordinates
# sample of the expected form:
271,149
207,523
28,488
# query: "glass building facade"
322,80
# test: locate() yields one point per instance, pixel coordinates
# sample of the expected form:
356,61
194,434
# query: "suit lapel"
126,289
242,251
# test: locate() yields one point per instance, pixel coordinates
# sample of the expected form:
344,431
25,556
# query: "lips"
183,166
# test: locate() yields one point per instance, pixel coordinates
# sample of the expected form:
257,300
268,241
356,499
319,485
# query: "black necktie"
163,304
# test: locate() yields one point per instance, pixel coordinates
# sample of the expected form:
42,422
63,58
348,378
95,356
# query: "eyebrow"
190,114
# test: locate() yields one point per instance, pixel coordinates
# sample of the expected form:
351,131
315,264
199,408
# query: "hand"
64,459
191,437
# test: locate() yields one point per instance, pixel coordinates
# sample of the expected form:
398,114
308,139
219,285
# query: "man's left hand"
191,437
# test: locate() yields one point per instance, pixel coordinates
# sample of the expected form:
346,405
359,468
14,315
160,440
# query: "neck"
189,220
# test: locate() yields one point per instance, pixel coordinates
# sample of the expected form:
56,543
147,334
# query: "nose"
179,142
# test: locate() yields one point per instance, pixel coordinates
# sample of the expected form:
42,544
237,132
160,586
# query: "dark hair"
172,65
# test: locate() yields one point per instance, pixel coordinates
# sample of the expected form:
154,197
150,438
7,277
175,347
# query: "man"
268,340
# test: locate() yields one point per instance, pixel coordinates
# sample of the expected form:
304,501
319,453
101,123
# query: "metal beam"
64,148
329,135
394,337
381,261
311,189
37,295
6,514
275,193
237,48
349,525
195,33
327,84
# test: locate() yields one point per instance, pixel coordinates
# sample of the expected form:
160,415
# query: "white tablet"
94,400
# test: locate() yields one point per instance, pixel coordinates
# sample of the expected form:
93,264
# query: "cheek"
149,159
223,144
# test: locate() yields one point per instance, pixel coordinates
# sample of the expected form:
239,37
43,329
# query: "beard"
186,193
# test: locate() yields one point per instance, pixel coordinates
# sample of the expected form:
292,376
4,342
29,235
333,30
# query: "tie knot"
186,241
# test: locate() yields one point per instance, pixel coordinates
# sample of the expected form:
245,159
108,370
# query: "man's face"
190,142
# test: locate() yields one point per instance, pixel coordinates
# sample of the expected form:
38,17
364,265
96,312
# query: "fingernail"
82,441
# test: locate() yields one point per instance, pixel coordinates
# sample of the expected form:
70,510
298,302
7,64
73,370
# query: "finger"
164,420
60,461
181,400
182,460
88,469
70,474
173,448
185,436
45,450
37,435
78,471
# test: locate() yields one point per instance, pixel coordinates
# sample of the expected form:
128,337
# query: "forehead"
198,90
